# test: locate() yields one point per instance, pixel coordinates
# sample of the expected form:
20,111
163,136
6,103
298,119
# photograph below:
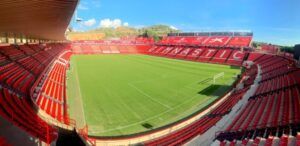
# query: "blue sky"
274,21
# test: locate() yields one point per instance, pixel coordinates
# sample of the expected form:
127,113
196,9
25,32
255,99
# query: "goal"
219,75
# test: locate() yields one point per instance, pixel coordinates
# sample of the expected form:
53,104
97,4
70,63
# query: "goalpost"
219,75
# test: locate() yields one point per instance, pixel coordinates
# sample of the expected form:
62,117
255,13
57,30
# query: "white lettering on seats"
223,53
167,50
237,55
185,52
209,51
196,52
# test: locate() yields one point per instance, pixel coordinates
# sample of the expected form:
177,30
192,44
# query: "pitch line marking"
136,123
80,98
141,91
158,115
150,118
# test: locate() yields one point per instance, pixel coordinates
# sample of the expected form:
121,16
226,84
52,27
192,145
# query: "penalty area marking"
93,131
137,123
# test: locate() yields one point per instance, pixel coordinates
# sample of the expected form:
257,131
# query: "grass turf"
126,94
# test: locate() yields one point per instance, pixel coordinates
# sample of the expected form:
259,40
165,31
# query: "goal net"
217,76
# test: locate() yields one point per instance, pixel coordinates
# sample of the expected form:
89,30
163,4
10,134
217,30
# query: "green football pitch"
126,94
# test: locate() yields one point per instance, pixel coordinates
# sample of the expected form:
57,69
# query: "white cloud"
112,23
89,22
96,3
125,24
173,27
82,7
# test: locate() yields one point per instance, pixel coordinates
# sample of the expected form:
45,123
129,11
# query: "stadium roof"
43,19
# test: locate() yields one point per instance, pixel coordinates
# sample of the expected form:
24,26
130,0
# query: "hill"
155,31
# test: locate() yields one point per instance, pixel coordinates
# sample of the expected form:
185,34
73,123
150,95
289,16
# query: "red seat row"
273,110
3,60
52,95
27,49
202,54
66,56
43,57
86,48
17,77
12,52
254,56
17,110
276,83
20,67
278,71
240,41
32,64
183,135
51,92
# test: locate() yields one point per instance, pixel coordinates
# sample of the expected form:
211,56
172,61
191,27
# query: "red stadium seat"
274,105
195,53
236,58
217,41
221,56
184,53
207,55
239,41
51,98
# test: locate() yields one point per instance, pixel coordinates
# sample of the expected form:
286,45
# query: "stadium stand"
201,54
271,116
239,41
24,61
20,112
50,93
268,48
216,39
206,55
174,52
52,96
221,56
182,54
213,49
236,57
108,48
20,67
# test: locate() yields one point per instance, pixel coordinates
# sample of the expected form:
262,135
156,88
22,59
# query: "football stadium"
65,81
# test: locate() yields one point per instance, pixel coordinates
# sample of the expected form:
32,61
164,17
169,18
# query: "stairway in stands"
69,138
